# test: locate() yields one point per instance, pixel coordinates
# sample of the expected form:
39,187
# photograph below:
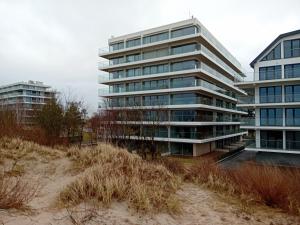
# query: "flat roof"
30,83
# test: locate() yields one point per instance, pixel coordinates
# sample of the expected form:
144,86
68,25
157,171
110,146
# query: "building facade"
182,73
273,100
24,98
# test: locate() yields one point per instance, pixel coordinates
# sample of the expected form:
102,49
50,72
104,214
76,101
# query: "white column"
257,138
256,95
257,116
284,139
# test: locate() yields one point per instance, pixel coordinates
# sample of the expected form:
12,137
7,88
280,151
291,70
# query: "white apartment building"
273,99
184,70
24,98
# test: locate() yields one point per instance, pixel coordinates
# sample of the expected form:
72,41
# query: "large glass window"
181,149
156,37
292,93
133,72
184,48
117,74
184,65
155,84
270,94
271,139
183,82
156,53
292,48
116,46
292,117
133,57
293,140
118,60
164,68
292,70
134,42
155,100
270,73
184,31
274,54
271,117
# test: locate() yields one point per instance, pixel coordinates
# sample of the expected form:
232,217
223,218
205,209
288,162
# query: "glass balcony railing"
192,118
221,62
293,122
271,121
154,55
246,100
148,40
165,85
247,121
292,98
270,99
293,145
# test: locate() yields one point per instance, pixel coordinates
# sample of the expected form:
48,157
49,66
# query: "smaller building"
25,98
273,101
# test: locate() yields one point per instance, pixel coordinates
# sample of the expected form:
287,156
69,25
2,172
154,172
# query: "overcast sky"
57,41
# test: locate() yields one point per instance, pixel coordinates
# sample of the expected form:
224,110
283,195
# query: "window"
183,82
134,42
155,100
271,139
156,37
164,68
292,70
292,93
292,48
155,84
184,49
270,73
219,103
292,117
184,31
186,98
271,117
115,61
270,94
117,74
274,54
116,46
185,65
156,53
293,140
133,72
133,57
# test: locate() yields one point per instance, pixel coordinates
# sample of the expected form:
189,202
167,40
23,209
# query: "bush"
15,192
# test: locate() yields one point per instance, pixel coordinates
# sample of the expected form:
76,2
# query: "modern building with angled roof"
24,98
184,69
273,100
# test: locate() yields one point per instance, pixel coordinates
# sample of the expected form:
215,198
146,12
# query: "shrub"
15,192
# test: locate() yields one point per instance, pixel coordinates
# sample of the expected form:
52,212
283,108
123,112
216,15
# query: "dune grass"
115,174
269,185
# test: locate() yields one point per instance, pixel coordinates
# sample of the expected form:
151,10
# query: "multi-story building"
273,100
184,70
24,98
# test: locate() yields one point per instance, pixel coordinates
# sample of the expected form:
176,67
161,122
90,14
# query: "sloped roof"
273,43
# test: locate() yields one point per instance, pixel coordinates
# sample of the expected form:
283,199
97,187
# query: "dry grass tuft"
173,165
117,174
15,192
17,149
269,185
